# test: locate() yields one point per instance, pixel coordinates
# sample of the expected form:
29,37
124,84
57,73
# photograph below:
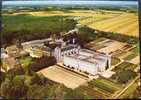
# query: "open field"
81,13
108,21
66,77
125,24
45,22
31,23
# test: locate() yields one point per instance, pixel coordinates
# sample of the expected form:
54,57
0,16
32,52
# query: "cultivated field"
125,24
109,21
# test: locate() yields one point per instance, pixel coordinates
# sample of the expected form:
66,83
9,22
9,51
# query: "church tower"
57,54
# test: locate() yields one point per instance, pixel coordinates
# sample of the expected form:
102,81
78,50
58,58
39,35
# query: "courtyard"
64,76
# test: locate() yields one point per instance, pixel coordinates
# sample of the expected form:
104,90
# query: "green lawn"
49,24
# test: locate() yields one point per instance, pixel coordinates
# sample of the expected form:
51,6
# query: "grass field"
32,23
27,27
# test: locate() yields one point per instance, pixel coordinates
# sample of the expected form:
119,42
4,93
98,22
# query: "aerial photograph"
70,49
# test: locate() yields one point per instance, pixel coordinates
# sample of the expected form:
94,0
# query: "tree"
125,76
26,62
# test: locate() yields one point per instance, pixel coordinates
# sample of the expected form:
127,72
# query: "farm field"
79,13
125,24
104,85
111,21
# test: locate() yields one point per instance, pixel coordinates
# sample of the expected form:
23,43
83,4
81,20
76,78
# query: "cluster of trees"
34,86
43,62
124,73
119,37
87,34
124,76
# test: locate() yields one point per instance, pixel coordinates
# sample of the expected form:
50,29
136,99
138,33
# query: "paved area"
64,76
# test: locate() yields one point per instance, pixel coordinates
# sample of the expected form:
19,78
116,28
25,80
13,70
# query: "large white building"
83,60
